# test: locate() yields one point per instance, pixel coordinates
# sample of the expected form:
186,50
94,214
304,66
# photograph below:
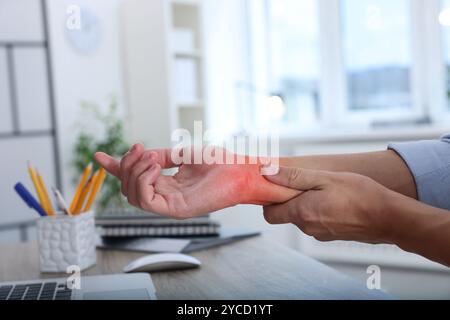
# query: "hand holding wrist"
336,206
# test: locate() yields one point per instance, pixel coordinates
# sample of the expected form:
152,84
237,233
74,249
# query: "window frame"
417,110
428,80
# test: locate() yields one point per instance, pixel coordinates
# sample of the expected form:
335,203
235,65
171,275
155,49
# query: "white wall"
77,77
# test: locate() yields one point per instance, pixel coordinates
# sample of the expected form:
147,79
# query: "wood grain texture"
250,269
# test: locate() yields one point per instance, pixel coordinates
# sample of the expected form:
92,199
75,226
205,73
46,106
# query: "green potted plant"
110,139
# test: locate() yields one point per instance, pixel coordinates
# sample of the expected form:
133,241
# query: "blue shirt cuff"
429,162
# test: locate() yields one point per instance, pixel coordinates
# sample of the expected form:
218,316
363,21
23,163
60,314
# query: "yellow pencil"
48,203
84,193
81,185
95,189
37,186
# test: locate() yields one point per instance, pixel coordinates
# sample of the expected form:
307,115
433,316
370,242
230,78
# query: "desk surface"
255,268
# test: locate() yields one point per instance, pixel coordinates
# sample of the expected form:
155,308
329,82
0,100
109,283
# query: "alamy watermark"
73,21
198,148
73,281
374,280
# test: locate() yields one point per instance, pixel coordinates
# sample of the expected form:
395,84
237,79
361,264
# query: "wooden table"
255,268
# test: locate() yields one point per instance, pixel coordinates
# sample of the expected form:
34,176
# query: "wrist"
419,228
407,220
393,214
253,188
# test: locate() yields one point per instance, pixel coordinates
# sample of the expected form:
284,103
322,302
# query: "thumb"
300,179
109,163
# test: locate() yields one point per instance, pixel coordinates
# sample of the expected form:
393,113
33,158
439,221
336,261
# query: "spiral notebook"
154,226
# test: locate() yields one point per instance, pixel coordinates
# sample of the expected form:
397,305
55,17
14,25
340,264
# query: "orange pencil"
95,189
48,203
81,185
87,188
37,186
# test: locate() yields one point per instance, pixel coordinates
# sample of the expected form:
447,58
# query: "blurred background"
331,76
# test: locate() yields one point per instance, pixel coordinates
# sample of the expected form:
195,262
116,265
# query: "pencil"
48,203
61,202
95,189
84,193
81,185
37,186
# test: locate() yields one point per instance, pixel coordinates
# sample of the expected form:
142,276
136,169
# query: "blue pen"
29,199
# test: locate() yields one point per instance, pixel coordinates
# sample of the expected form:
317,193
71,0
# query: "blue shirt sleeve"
429,162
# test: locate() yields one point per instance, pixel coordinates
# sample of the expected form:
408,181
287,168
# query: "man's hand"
333,206
196,189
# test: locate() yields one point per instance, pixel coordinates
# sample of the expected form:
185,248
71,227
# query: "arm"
184,194
418,169
385,167
346,206
421,229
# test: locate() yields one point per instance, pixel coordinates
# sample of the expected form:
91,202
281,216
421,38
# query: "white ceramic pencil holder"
66,241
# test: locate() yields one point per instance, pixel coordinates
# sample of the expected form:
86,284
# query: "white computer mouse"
162,262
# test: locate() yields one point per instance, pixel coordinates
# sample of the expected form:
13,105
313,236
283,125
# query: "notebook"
150,225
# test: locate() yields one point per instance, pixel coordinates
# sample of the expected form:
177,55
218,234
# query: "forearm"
385,167
419,228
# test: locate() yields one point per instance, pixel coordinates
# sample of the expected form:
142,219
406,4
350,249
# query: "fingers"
170,158
300,179
165,158
109,163
127,163
298,214
125,167
278,214
148,159
146,195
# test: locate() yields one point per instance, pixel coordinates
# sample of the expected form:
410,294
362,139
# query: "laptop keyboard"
36,291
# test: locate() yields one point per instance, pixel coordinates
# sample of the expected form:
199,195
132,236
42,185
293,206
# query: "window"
354,62
294,61
377,52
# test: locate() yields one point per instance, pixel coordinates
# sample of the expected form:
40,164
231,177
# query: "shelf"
196,54
196,105
186,2
178,57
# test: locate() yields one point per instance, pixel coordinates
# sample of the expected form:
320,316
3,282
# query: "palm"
198,189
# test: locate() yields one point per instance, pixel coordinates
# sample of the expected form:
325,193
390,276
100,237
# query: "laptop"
135,286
